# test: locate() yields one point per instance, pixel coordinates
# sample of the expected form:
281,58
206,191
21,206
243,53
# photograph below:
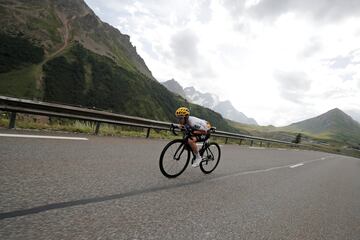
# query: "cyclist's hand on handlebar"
188,129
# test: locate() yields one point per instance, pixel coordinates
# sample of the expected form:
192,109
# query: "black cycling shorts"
202,137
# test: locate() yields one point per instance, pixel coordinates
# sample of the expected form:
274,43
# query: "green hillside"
264,131
60,51
334,130
334,124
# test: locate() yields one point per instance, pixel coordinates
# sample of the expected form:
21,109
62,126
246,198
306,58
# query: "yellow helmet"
182,112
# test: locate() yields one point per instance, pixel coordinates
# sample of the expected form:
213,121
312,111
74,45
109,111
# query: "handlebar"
212,129
172,128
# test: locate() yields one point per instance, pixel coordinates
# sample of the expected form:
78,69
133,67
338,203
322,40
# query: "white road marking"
200,144
257,148
43,137
263,170
297,165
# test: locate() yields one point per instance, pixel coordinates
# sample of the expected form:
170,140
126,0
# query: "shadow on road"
44,208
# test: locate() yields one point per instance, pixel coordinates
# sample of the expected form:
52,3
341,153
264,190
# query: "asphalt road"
112,188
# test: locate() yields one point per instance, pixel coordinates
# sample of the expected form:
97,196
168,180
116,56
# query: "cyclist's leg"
197,138
192,142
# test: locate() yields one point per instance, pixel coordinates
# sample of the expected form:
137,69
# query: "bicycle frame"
185,144
182,154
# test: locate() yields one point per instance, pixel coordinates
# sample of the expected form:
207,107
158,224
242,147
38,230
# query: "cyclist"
198,127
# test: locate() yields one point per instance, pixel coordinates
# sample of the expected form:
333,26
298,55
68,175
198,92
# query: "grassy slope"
40,30
264,131
19,66
21,83
319,142
324,141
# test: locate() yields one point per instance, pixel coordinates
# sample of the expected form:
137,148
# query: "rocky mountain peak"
190,90
175,87
336,112
209,100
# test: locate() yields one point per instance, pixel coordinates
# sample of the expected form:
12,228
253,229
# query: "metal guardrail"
16,105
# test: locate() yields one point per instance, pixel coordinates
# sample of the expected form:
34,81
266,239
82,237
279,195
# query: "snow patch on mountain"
209,100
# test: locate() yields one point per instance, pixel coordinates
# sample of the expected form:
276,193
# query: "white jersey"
198,124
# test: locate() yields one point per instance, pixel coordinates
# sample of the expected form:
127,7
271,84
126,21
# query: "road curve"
111,188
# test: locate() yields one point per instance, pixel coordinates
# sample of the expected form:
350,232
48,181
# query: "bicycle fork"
179,152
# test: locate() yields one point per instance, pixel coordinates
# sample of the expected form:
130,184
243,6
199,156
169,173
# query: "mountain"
355,114
212,101
227,110
175,87
333,124
55,24
204,99
60,51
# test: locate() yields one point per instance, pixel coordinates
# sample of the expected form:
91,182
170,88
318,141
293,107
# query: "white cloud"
293,85
312,47
322,10
184,45
186,54
277,61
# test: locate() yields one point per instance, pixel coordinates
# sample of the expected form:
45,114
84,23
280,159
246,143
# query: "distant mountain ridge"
212,101
333,124
355,114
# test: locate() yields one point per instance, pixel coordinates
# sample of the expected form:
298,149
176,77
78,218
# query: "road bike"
175,156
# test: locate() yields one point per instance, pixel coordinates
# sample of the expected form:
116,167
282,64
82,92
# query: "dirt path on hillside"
65,33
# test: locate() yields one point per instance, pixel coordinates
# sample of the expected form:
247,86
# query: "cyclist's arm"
186,127
199,132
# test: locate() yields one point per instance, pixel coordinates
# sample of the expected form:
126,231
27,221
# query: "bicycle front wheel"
211,158
174,158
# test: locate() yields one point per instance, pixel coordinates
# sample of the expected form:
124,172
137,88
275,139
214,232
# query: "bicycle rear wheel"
174,158
211,158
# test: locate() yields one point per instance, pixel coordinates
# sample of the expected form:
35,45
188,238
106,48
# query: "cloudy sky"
279,61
